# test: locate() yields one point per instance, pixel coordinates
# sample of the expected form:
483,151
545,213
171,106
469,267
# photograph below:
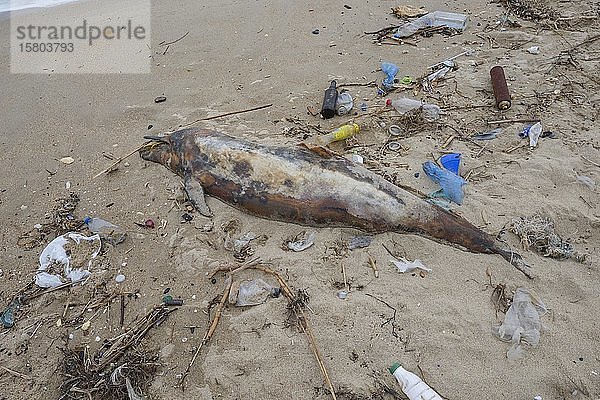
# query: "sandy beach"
235,55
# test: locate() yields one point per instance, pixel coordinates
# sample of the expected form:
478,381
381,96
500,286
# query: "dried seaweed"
61,220
537,232
136,366
105,373
530,10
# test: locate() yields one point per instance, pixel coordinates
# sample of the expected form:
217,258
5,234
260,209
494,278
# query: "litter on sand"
522,325
57,264
404,265
537,232
252,293
450,183
302,243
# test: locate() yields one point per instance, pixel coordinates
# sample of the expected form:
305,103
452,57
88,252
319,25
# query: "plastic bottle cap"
394,367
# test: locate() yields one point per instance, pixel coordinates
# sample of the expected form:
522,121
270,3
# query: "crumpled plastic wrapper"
252,293
522,324
409,266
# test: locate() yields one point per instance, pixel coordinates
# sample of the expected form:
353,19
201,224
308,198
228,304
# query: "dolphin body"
294,185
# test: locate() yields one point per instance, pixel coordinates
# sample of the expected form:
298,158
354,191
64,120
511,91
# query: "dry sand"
243,54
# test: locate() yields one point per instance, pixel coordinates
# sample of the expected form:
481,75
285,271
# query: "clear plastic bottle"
107,231
431,112
412,386
342,133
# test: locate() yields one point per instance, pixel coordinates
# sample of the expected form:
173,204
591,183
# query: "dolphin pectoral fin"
517,261
195,193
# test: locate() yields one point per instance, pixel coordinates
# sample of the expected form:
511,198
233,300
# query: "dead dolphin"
294,185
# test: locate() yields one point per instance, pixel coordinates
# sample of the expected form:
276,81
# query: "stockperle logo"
88,36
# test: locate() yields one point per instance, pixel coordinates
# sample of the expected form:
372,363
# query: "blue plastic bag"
450,183
390,70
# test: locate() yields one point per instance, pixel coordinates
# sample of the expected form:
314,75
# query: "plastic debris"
342,294
390,70
131,391
488,135
451,162
534,50
431,112
342,133
55,255
344,103
394,146
244,240
413,387
450,183
447,66
395,130
404,265
357,158
522,325
534,133
252,293
303,243
7,317
455,21
359,242
587,181
120,278
108,232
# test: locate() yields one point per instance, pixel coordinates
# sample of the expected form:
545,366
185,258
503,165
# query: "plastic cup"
451,162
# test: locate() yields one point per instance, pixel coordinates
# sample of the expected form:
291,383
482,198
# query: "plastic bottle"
331,94
433,19
341,133
107,231
431,112
412,385
344,103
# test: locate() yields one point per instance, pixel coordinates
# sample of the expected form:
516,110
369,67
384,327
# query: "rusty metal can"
503,100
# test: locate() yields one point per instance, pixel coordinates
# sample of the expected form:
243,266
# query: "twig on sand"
209,332
371,83
163,43
373,265
392,319
228,114
590,161
15,373
510,121
119,160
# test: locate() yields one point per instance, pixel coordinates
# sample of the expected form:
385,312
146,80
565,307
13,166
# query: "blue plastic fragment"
7,317
390,70
450,183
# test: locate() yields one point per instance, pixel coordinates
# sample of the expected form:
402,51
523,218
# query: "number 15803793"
48,47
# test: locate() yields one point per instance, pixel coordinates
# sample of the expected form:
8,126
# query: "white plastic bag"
55,253
522,325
